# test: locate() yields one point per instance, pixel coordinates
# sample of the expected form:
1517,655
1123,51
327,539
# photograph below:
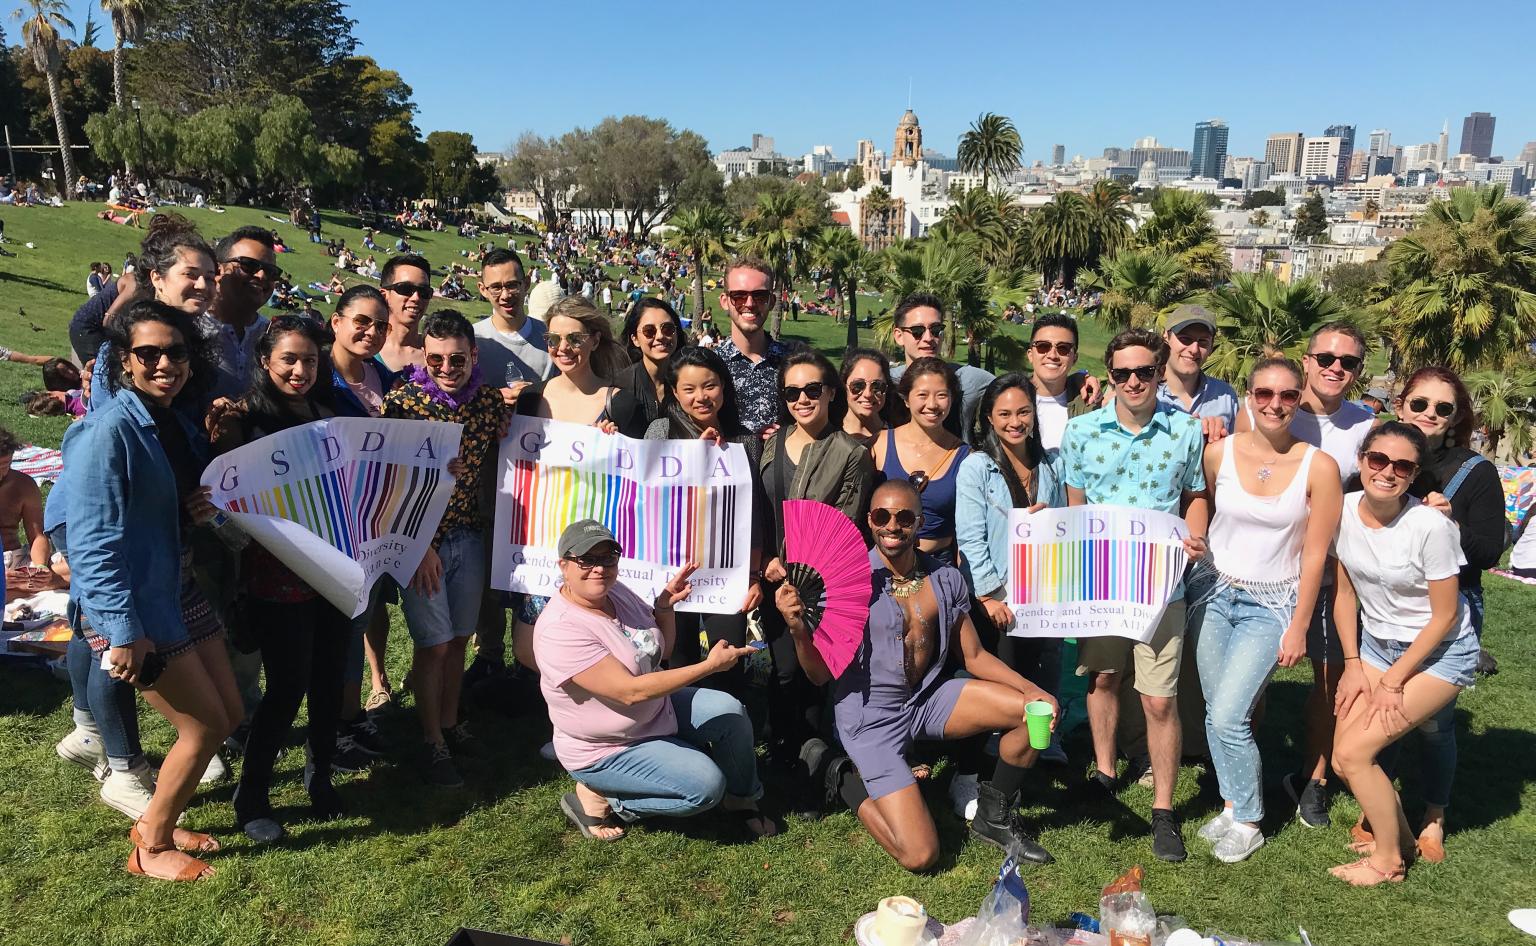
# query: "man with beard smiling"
899,689
247,262
407,285
749,353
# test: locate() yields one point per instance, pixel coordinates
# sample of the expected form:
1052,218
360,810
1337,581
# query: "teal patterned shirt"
1151,469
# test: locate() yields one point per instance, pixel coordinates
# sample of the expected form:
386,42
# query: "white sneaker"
130,791
547,751
1217,828
83,748
1241,841
216,771
964,794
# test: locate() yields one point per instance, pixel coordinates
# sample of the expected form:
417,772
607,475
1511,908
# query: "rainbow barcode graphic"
668,525
1126,570
353,504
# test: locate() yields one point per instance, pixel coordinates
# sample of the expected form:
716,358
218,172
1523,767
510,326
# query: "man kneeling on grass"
639,740
895,691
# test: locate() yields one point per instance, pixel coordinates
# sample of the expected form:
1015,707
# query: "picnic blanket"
43,464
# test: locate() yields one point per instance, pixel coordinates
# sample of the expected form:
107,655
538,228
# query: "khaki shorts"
1156,663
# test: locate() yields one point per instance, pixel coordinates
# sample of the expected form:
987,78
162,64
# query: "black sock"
1008,778
851,788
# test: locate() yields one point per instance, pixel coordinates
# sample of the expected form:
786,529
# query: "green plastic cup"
1037,715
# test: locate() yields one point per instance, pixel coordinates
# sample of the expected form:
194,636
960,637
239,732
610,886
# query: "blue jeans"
1437,749
112,703
1237,652
676,776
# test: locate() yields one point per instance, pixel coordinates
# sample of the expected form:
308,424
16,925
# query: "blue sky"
1083,74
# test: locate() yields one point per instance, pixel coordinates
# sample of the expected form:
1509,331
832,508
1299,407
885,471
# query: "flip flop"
571,805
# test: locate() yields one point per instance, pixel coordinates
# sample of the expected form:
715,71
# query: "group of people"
1314,533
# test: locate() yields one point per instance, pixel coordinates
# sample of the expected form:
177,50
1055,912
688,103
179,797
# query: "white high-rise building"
1283,152
1320,157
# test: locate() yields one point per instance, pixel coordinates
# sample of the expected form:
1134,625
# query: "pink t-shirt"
370,391
569,639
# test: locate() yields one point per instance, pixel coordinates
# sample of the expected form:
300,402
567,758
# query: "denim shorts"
453,611
1454,661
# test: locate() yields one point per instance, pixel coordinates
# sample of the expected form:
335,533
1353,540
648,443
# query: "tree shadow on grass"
29,687
34,282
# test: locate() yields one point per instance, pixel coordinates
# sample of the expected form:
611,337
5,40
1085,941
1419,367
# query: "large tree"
776,230
452,171
847,264
642,166
128,20
990,146
1463,282
544,167
1061,235
40,33
1311,220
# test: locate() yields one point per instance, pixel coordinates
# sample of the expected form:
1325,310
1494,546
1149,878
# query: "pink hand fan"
826,561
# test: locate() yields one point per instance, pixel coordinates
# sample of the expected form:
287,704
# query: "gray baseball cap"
583,536
1190,314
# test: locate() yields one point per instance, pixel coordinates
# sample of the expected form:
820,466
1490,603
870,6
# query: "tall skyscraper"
1058,154
1381,142
1477,135
1346,136
1320,158
1444,154
1283,152
1210,151
1528,153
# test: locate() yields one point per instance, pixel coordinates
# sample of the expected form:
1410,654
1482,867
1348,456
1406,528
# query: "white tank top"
1258,538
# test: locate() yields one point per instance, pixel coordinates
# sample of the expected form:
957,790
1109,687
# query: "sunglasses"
255,267
1325,359
665,329
553,340
149,355
435,360
1189,341
740,297
814,391
1062,348
1288,398
881,517
597,560
918,331
1406,469
409,289
364,323
1144,374
876,387
1421,404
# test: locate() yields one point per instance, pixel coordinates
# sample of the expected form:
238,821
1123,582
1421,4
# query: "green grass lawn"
410,865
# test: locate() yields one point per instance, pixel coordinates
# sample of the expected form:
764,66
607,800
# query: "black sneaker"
1311,801
1100,786
365,735
441,771
348,759
1167,843
463,742
482,670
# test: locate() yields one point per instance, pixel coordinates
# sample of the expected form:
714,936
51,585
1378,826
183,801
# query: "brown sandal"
193,870
1393,876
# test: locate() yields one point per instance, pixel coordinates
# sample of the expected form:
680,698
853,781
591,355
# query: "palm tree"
1506,399
1463,283
1180,221
775,229
1109,202
846,262
991,146
1138,287
1261,317
701,232
1061,235
40,34
128,19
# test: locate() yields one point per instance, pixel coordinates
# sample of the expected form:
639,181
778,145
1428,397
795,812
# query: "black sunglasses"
409,289
255,267
1406,469
149,355
876,387
1062,348
880,516
1325,359
1421,404
597,560
1144,374
814,391
918,331
739,297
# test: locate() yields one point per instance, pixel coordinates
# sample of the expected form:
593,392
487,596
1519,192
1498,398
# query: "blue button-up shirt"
1213,398
756,382
1150,469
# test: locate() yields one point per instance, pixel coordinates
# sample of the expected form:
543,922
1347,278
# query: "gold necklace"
909,586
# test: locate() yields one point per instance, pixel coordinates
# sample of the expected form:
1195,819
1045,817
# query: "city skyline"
808,74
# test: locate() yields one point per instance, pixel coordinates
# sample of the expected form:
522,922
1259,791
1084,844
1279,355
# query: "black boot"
998,823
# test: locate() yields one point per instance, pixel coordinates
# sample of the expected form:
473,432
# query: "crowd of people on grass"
1317,533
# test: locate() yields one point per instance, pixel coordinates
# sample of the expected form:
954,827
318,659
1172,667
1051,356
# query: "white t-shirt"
1051,418
506,357
1338,434
1391,568
1523,555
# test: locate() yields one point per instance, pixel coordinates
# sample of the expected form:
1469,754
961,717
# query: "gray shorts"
882,739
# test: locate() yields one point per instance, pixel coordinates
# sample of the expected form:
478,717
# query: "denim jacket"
124,521
982,506
345,402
